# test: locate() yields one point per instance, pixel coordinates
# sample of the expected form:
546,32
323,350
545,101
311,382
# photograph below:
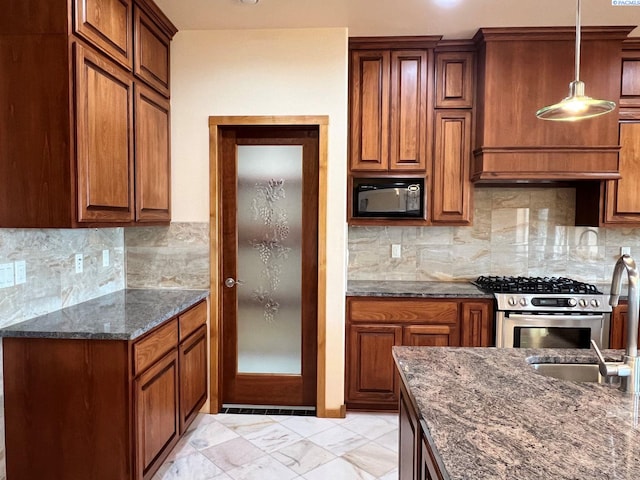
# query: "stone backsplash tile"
176,256
516,231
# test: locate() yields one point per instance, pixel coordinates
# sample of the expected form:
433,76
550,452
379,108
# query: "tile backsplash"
516,231
51,281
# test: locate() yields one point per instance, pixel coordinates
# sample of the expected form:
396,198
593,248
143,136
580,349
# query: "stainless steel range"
549,312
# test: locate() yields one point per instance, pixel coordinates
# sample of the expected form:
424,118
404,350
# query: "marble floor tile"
265,468
280,447
372,426
245,424
338,440
373,458
338,469
307,426
389,440
209,435
272,438
233,453
193,467
303,456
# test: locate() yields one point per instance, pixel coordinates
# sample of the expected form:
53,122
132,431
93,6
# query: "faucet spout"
629,369
627,264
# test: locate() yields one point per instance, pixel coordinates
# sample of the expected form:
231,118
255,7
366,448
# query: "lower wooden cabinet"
193,378
156,412
618,331
375,325
103,409
416,459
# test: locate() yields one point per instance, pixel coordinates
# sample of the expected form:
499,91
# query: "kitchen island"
104,389
484,413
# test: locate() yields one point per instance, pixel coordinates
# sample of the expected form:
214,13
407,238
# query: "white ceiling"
451,18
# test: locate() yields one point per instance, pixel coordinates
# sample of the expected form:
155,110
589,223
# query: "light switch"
396,250
6,275
625,250
105,258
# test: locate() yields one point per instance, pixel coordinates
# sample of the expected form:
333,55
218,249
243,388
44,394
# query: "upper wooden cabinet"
451,185
523,69
617,202
390,104
107,25
85,138
454,79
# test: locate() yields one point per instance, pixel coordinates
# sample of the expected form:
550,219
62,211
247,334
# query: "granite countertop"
490,416
396,288
123,315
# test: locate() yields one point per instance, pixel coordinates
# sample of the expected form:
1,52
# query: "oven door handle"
595,317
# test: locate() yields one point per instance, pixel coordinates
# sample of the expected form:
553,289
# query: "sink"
576,372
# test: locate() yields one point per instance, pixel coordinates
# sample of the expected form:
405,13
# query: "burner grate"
549,285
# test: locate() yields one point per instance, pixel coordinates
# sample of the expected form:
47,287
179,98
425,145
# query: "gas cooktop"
533,285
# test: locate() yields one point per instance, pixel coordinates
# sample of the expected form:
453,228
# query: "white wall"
264,72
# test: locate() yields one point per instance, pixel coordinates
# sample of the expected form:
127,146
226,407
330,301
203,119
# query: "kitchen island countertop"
122,315
491,416
399,288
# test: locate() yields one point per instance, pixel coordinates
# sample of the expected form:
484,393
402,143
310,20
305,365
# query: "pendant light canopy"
576,106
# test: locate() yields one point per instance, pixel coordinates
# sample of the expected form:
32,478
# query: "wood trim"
551,33
158,16
394,43
215,226
339,412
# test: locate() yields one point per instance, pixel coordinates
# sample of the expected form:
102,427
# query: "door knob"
230,282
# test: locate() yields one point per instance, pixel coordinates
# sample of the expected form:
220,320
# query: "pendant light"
576,106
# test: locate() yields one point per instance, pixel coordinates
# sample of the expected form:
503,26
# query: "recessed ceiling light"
249,2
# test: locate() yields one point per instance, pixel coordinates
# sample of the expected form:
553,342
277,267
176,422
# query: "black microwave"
388,198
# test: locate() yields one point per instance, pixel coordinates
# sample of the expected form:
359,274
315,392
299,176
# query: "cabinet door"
410,118
451,185
104,140
193,376
369,110
623,196
156,413
152,48
371,369
431,336
153,157
454,80
409,452
477,324
618,334
107,25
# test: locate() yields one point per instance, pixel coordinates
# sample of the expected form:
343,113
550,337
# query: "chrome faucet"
629,368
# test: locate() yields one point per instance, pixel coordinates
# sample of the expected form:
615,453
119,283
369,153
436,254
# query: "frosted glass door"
269,263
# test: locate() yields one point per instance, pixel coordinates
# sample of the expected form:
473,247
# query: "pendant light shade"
577,105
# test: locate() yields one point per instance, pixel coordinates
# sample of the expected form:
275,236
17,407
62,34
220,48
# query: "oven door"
521,330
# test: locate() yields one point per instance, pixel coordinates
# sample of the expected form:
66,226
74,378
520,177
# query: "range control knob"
595,302
523,302
512,301
583,303
572,302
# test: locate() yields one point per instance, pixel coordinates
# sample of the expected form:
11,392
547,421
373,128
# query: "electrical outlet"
79,263
6,275
105,258
625,250
396,250
20,272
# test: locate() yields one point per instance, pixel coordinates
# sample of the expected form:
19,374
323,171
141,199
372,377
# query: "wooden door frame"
215,246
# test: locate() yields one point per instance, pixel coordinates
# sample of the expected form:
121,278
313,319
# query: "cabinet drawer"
410,311
192,319
154,346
